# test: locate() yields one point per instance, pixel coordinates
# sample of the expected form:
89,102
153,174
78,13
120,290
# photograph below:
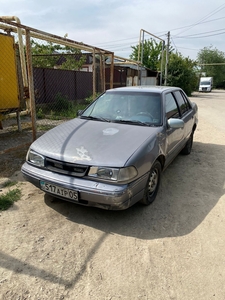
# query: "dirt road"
173,249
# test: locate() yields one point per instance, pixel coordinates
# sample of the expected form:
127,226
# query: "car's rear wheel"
188,147
152,185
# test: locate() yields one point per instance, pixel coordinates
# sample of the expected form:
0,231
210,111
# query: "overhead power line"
212,64
117,46
188,26
125,44
206,17
197,36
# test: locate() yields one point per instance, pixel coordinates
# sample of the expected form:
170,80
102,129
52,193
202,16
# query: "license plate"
59,191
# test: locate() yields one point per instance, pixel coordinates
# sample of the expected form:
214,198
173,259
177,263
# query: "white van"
205,84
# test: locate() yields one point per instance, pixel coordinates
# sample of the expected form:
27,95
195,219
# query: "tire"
152,185
188,147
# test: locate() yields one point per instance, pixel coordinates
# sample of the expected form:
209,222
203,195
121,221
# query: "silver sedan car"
113,153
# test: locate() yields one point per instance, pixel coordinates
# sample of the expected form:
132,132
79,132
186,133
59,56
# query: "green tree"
49,55
73,60
152,53
182,73
210,55
42,54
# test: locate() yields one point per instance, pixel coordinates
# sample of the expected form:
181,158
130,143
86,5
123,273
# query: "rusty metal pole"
161,73
103,72
142,53
111,70
94,74
31,85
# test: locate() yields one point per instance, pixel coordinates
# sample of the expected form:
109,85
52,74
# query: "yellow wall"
9,97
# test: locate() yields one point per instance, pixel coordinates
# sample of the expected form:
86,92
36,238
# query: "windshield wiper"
95,118
133,122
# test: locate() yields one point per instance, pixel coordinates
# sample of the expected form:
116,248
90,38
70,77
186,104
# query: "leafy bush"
7,200
91,98
62,103
181,73
40,114
62,108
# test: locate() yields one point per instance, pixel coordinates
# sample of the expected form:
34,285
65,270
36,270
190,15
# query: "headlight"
113,174
35,158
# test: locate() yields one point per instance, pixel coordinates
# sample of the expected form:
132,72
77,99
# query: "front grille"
66,168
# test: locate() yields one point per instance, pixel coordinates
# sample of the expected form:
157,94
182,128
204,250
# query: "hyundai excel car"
113,153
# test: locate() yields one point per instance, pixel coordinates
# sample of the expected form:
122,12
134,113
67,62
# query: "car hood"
93,142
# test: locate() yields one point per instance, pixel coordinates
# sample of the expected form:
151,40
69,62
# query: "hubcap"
153,181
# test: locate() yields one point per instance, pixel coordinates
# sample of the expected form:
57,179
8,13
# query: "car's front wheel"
152,185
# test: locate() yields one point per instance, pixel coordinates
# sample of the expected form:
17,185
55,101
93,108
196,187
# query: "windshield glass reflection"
133,107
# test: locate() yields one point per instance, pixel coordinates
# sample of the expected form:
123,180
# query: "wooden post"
111,70
94,74
31,85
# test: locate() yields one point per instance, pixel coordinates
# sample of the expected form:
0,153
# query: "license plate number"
59,191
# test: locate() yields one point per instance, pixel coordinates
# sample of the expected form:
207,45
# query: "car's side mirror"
175,123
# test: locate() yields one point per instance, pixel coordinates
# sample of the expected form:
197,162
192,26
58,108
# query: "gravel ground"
14,144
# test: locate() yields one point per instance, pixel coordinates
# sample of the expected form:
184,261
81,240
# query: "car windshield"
205,83
139,108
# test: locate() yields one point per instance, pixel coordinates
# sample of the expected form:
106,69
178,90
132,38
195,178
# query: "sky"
115,25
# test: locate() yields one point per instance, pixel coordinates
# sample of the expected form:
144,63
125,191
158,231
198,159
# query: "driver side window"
171,107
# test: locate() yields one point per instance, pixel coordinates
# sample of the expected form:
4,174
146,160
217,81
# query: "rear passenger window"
171,107
182,102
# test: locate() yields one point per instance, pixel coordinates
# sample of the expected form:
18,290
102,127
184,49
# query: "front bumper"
205,89
91,193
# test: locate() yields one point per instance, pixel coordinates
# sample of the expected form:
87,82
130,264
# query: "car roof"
145,88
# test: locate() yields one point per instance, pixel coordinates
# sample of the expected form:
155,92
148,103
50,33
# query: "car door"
186,112
174,136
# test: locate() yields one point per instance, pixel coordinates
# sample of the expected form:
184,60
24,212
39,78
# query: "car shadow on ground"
191,186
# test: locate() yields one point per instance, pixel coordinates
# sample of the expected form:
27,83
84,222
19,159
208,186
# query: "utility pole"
167,57
161,74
